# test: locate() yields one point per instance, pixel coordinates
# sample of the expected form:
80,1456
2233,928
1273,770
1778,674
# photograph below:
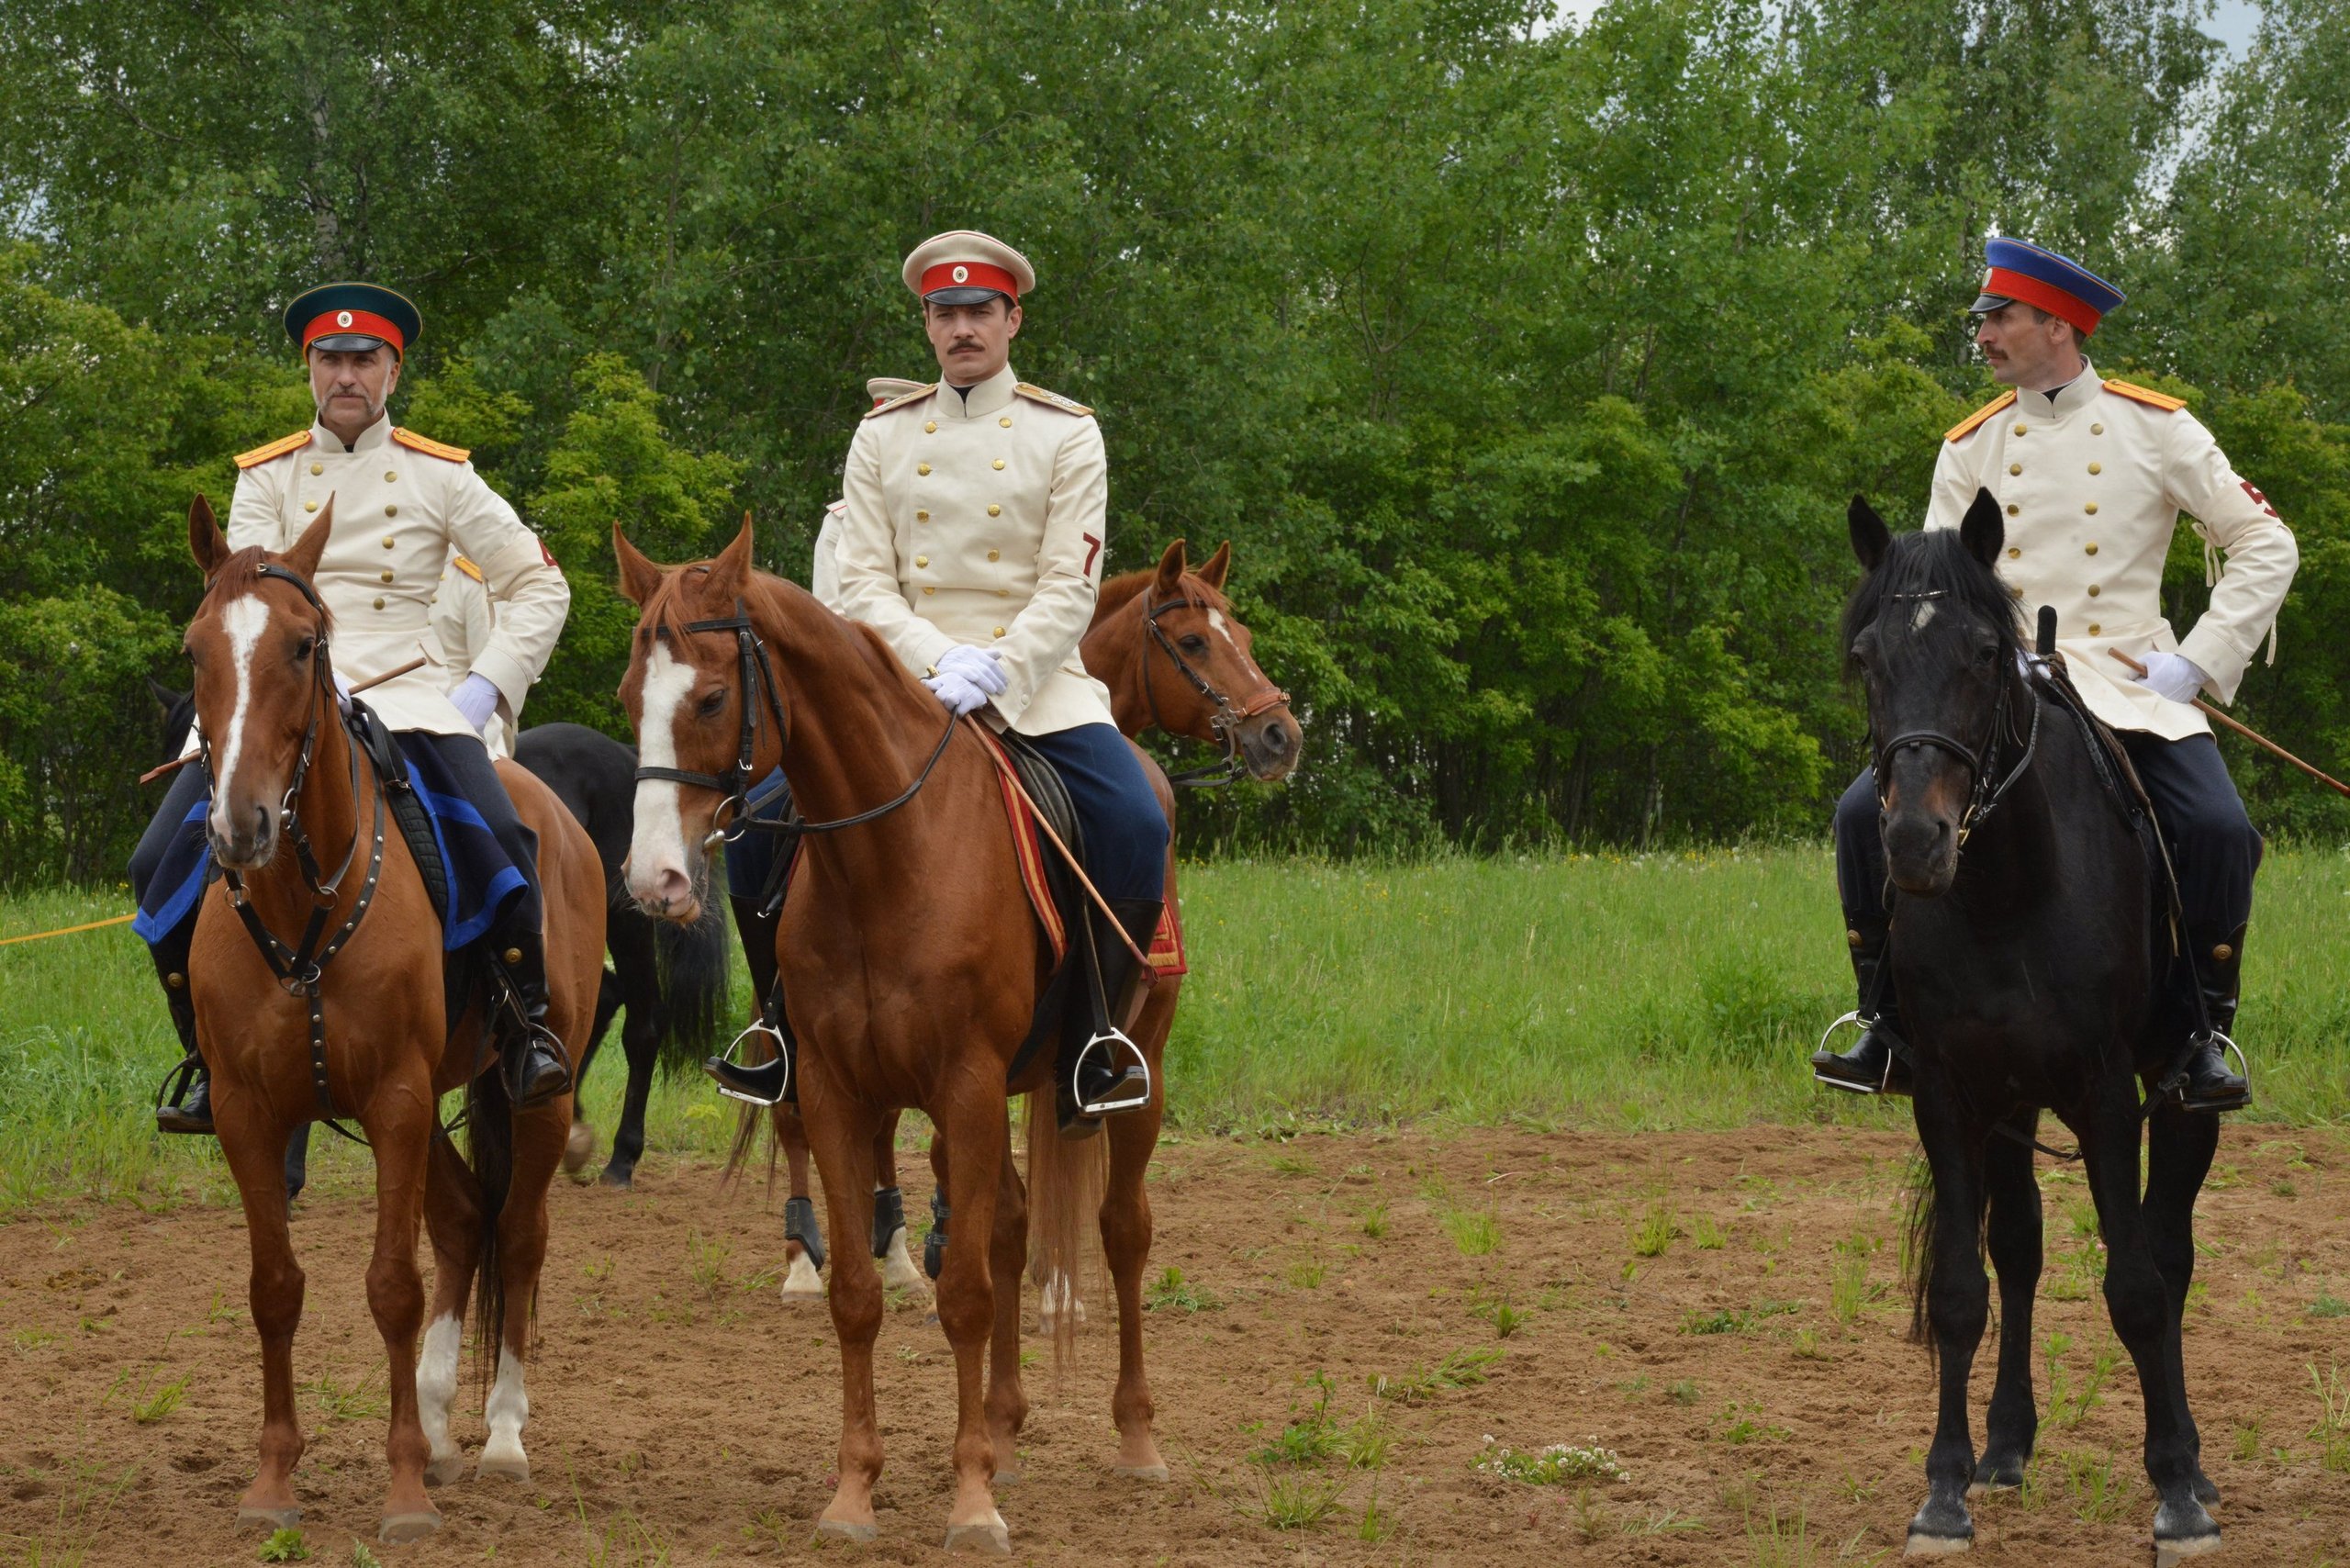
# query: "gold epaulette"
2148,395
416,442
1069,404
901,399
277,448
1968,425
466,566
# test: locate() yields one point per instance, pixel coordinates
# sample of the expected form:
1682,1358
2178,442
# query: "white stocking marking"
508,1407
436,1384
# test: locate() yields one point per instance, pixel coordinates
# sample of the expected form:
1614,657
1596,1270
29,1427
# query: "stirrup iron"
2174,1088
1113,1039
1856,1021
765,1083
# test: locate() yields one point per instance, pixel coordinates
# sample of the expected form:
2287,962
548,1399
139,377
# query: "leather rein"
1228,717
300,968
1981,762
758,676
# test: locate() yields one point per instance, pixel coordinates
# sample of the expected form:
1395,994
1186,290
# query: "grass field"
1664,991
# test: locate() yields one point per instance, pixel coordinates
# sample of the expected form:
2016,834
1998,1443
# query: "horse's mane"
1933,560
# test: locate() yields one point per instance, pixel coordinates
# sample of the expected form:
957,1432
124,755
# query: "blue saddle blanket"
482,879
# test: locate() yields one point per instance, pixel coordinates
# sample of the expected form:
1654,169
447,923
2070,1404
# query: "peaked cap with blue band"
348,317
2029,274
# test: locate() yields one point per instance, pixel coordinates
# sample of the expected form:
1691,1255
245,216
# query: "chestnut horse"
366,1038
1166,642
911,969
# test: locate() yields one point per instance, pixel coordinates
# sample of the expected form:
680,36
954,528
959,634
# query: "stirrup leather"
754,1083
1856,1021
1113,1039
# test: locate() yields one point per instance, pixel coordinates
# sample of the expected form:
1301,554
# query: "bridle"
300,968
757,676
1982,761
1227,719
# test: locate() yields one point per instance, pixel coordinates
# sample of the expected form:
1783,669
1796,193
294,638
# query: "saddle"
2125,788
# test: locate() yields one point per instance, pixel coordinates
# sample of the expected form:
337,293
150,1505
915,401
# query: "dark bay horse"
1166,642
2029,952
669,979
360,1029
911,969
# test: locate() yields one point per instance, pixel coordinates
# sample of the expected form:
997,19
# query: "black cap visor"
351,343
1984,304
968,295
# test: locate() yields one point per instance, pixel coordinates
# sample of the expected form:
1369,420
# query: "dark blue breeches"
2212,843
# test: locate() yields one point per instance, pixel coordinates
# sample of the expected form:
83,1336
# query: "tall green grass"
1624,993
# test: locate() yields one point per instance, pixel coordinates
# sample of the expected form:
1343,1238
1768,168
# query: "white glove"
2172,676
981,666
475,696
341,693
958,691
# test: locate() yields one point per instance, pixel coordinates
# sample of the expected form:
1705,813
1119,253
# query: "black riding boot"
2211,1084
1098,1076
534,1062
1872,1066
185,1104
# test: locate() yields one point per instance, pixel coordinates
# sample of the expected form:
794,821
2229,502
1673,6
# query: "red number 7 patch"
1093,549
2257,498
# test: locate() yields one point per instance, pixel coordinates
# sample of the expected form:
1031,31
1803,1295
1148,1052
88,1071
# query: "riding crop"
2255,736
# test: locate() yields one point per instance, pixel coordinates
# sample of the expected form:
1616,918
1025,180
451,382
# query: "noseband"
1228,717
758,677
1982,761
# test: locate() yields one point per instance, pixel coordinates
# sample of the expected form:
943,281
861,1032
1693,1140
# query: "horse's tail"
691,962
1065,1181
489,1139
1920,1234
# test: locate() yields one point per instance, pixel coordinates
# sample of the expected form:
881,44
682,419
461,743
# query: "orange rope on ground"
67,930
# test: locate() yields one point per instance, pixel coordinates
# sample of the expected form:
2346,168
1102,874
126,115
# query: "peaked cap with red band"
964,266
348,317
2028,274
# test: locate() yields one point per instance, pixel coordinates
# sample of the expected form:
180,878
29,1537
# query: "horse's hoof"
1924,1545
801,1283
445,1471
990,1539
848,1531
510,1466
412,1526
1143,1472
620,1181
2183,1530
268,1519
578,1147
1007,1476
1996,1475
2206,1492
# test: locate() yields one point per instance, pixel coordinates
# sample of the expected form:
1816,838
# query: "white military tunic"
2091,486
402,505
980,520
463,619
824,570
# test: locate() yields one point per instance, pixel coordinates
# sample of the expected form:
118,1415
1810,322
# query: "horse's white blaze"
245,619
1923,617
436,1384
1215,619
658,843
507,1408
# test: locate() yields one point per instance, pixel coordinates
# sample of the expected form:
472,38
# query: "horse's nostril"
1276,738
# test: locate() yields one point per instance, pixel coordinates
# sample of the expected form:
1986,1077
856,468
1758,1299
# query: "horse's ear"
1870,538
640,578
731,573
1217,564
1984,529
205,540
1169,579
166,698
304,557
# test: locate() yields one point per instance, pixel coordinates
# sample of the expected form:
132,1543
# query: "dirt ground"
1722,1312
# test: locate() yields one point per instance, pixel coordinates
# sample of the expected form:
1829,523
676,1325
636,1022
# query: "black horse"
2030,956
670,979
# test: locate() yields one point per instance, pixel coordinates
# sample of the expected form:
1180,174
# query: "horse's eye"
303,649
1193,643
1987,654
712,703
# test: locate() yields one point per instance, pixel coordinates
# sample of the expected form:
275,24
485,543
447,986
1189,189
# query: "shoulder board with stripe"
900,401
1054,399
1973,421
465,565
277,448
2146,395
416,442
